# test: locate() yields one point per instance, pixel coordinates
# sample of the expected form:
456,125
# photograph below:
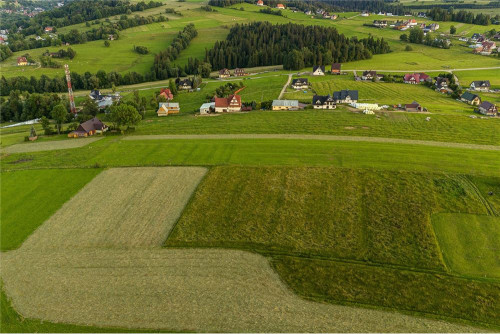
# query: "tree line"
293,45
417,36
439,14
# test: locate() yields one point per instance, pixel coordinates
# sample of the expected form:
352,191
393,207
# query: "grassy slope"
470,243
21,213
263,152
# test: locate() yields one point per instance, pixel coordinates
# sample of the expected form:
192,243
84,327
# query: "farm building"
207,108
224,73
167,94
414,106
488,109
285,105
480,86
232,103
346,96
240,72
22,61
300,83
365,106
470,98
323,102
318,70
89,128
185,84
336,68
167,108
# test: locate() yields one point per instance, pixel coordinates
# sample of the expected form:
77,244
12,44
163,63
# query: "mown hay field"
30,197
49,145
470,243
126,208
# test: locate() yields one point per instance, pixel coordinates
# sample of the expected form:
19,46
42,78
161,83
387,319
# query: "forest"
439,14
293,45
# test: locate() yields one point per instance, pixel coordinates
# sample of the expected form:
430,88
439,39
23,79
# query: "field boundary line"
318,137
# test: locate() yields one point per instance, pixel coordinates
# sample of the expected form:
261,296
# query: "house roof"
221,102
285,103
22,59
343,94
223,71
185,82
336,66
322,99
486,105
469,96
301,81
168,105
239,70
481,83
321,67
90,125
412,106
207,105
373,73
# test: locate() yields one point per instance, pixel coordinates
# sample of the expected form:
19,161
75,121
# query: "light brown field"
49,145
98,261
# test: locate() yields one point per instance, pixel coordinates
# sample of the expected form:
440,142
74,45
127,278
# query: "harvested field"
183,290
124,207
318,137
49,145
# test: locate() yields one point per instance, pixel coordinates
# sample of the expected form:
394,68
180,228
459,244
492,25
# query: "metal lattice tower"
70,90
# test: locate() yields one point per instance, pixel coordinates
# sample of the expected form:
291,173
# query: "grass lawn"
470,243
21,213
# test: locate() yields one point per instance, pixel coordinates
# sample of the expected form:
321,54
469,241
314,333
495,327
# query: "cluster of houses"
481,44
321,70
405,25
237,72
483,107
103,101
4,36
319,12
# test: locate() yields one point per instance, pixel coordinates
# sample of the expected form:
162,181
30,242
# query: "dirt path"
319,137
285,86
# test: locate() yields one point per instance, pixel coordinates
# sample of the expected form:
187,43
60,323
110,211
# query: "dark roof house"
345,96
89,128
488,108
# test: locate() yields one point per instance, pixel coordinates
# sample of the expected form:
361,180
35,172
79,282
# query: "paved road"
319,137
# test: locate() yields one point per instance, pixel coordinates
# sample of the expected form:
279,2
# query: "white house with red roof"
232,103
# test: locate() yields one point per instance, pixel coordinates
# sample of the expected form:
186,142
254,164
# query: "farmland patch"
50,145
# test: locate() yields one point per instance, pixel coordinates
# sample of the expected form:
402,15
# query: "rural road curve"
319,137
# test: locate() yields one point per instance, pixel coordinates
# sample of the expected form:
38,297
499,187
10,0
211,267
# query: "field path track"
285,86
318,137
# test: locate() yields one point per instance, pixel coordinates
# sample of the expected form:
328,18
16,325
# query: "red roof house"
260,3
231,103
415,78
167,94
280,6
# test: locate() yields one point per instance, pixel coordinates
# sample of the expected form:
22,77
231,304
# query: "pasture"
50,145
470,243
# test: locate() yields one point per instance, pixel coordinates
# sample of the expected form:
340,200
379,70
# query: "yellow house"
22,61
166,108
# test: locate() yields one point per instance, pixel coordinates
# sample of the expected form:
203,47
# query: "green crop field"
470,243
44,191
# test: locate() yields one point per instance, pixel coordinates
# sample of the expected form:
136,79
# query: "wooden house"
416,78
22,61
240,72
89,128
487,108
323,102
346,96
470,98
413,107
480,86
224,73
300,83
185,84
167,108
336,67
232,103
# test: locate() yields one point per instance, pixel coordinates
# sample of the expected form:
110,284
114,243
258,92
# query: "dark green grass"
381,217
111,152
470,243
433,294
489,188
30,197
447,128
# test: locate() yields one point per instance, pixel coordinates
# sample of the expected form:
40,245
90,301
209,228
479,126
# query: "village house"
488,109
89,128
166,93
333,17
319,70
260,3
111,37
95,94
380,23
486,48
422,14
323,102
280,6
240,72
475,37
416,78
300,83
365,14
480,86
470,98
413,107
224,73
232,103
370,75
167,108
431,27
442,85
185,84
412,22
207,108
22,61
285,105
345,96
48,29
336,68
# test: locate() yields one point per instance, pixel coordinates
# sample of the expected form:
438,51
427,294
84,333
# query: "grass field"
21,213
470,243
50,145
